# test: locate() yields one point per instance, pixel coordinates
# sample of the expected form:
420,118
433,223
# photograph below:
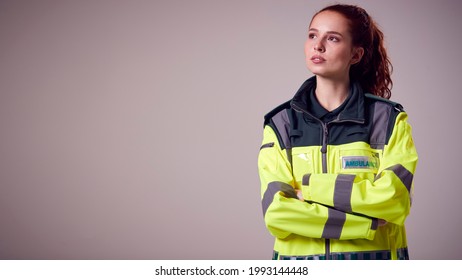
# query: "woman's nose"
319,47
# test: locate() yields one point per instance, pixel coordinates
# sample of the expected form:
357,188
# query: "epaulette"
396,105
285,105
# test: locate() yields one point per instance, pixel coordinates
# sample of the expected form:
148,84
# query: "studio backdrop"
131,129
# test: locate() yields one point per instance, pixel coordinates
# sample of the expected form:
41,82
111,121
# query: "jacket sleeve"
388,196
284,214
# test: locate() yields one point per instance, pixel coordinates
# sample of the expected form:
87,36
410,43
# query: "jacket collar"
353,110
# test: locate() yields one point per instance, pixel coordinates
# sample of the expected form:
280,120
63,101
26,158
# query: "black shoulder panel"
285,105
396,105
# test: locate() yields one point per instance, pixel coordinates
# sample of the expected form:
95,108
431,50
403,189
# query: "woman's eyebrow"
328,32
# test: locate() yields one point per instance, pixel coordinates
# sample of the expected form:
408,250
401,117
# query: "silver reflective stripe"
403,174
380,119
281,121
289,156
375,223
272,189
342,192
334,224
306,179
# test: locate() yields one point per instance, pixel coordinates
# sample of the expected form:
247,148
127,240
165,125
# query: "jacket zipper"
324,145
325,135
324,170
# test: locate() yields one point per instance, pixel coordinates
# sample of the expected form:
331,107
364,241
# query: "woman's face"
329,49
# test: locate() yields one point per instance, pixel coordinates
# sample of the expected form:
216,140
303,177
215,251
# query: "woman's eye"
333,39
311,36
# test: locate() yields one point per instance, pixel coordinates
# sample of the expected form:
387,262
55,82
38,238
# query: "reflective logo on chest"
361,162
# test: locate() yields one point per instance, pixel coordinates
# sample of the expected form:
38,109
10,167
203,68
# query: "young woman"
337,161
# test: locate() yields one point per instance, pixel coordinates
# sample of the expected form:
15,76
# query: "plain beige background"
131,129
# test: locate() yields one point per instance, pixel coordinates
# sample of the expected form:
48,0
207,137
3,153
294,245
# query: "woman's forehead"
327,21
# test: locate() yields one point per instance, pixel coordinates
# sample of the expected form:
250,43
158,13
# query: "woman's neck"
331,93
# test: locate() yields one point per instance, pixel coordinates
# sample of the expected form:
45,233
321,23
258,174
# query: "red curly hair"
374,70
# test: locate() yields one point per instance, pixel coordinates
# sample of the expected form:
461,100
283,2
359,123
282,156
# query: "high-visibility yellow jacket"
355,171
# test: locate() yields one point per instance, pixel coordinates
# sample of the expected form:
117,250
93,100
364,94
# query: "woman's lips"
317,59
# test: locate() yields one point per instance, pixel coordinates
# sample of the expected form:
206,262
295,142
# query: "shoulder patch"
276,110
395,105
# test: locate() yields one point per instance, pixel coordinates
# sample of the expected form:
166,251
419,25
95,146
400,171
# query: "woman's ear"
357,55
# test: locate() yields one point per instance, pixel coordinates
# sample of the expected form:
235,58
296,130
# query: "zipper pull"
324,138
